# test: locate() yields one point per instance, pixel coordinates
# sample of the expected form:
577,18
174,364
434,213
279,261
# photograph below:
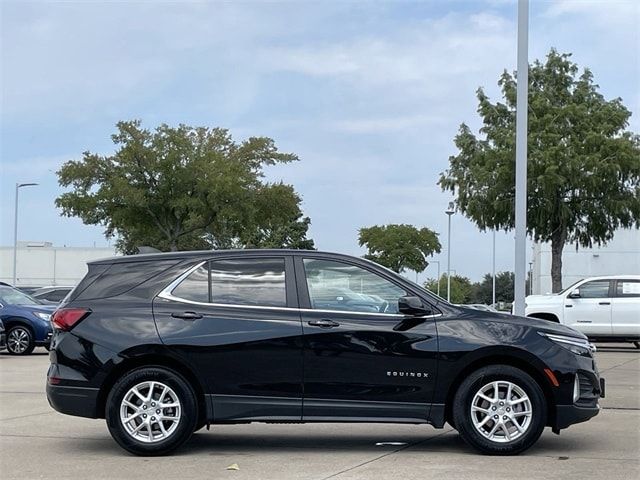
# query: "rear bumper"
77,401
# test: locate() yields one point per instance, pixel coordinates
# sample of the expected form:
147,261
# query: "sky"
369,95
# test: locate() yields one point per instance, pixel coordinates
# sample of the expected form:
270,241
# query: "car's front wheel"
20,341
151,411
500,410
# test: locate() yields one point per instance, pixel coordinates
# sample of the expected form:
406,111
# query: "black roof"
208,253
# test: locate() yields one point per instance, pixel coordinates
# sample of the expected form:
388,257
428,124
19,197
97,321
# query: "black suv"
163,344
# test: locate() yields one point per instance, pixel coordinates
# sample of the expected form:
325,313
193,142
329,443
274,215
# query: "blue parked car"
26,321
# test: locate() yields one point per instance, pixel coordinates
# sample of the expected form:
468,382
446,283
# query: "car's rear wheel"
151,411
637,344
20,341
500,410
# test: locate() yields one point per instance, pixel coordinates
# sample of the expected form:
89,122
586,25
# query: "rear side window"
628,288
246,281
195,287
257,281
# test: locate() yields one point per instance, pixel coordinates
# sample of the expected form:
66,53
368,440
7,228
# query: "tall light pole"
522,105
15,228
493,271
449,211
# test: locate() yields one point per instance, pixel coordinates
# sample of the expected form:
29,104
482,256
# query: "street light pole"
522,105
15,228
449,211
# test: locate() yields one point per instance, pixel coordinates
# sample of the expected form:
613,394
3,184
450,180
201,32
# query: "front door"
590,313
363,360
237,322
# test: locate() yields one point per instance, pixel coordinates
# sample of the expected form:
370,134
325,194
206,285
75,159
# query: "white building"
620,256
42,264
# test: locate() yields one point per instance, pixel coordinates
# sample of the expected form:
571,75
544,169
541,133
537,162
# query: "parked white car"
603,308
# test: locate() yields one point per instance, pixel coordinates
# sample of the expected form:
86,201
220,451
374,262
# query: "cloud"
368,94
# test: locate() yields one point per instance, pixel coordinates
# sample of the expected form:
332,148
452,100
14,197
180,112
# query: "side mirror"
410,305
575,293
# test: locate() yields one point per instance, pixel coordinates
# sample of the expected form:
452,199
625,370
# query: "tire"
20,340
149,440
501,436
637,344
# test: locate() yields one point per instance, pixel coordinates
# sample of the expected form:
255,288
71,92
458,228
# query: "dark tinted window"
341,286
595,289
249,281
628,288
194,287
54,295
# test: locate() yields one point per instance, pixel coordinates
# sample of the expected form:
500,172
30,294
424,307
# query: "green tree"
483,290
462,290
399,247
583,166
184,188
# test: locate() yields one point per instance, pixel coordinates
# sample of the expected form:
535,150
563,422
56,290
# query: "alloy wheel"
150,412
18,340
501,411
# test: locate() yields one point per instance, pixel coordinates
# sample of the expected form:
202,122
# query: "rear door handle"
324,323
604,303
187,315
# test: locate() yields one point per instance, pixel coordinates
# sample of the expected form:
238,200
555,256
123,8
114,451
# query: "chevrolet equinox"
161,345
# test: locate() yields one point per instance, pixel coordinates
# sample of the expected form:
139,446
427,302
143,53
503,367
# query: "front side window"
247,281
340,286
595,289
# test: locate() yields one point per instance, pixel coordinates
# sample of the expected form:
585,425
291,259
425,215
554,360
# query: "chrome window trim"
166,294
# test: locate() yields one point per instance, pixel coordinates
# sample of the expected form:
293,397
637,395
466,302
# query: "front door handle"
324,323
604,303
187,315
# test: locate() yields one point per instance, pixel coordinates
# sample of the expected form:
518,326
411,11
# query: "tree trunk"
174,245
558,240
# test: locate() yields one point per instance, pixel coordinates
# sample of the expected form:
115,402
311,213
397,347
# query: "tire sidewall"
31,345
185,427
462,409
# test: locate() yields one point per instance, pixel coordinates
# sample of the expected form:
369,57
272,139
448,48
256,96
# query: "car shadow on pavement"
446,441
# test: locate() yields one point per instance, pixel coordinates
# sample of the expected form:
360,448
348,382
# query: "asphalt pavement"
37,442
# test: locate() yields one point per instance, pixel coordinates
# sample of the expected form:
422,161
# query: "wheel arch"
151,360
11,322
501,359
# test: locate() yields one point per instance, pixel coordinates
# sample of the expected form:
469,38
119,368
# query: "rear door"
625,308
363,359
236,319
591,312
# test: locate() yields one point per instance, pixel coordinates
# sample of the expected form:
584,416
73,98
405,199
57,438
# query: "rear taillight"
66,318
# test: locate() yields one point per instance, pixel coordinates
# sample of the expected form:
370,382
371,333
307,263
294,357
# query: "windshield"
570,287
12,296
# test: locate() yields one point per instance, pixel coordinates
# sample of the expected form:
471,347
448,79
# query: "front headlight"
579,346
44,316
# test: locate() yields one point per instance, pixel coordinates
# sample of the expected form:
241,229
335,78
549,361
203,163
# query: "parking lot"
36,442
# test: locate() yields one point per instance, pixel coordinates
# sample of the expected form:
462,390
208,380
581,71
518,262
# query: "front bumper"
46,342
567,415
77,401
592,388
